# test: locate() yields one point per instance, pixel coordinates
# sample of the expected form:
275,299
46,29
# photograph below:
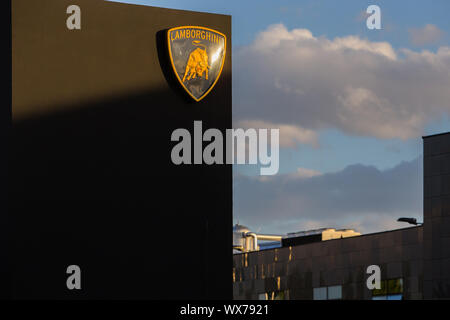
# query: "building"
414,261
246,241
436,229
90,177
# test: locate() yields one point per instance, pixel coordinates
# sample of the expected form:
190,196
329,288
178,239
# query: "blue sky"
403,99
323,17
327,18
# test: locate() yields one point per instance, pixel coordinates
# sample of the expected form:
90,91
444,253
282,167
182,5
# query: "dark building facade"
91,181
294,272
414,262
436,226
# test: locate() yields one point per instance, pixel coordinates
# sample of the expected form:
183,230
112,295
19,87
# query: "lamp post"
410,221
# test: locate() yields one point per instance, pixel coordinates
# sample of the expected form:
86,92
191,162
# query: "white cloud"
290,135
359,197
356,44
429,34
361,109
293,78
306,173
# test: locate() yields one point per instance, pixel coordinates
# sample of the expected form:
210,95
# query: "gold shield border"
173,65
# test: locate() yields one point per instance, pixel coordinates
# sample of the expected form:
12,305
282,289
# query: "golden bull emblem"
197,63
197,55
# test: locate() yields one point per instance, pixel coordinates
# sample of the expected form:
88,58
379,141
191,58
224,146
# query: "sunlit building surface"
414,261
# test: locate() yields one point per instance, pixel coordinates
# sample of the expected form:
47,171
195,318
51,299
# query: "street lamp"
410,221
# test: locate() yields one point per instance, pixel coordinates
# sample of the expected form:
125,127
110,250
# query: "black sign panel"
91,181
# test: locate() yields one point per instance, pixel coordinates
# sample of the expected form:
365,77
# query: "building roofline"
340,239
369,234
435,135
380,232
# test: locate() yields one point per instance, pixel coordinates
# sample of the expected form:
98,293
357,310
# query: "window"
335,293
278,295
395,297
320,293
389,297
391,289
327,293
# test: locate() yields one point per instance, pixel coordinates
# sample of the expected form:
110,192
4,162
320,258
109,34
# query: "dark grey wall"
5,126
335,262
437,216
91,179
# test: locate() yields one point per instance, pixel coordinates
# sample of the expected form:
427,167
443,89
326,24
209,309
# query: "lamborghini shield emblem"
197,55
